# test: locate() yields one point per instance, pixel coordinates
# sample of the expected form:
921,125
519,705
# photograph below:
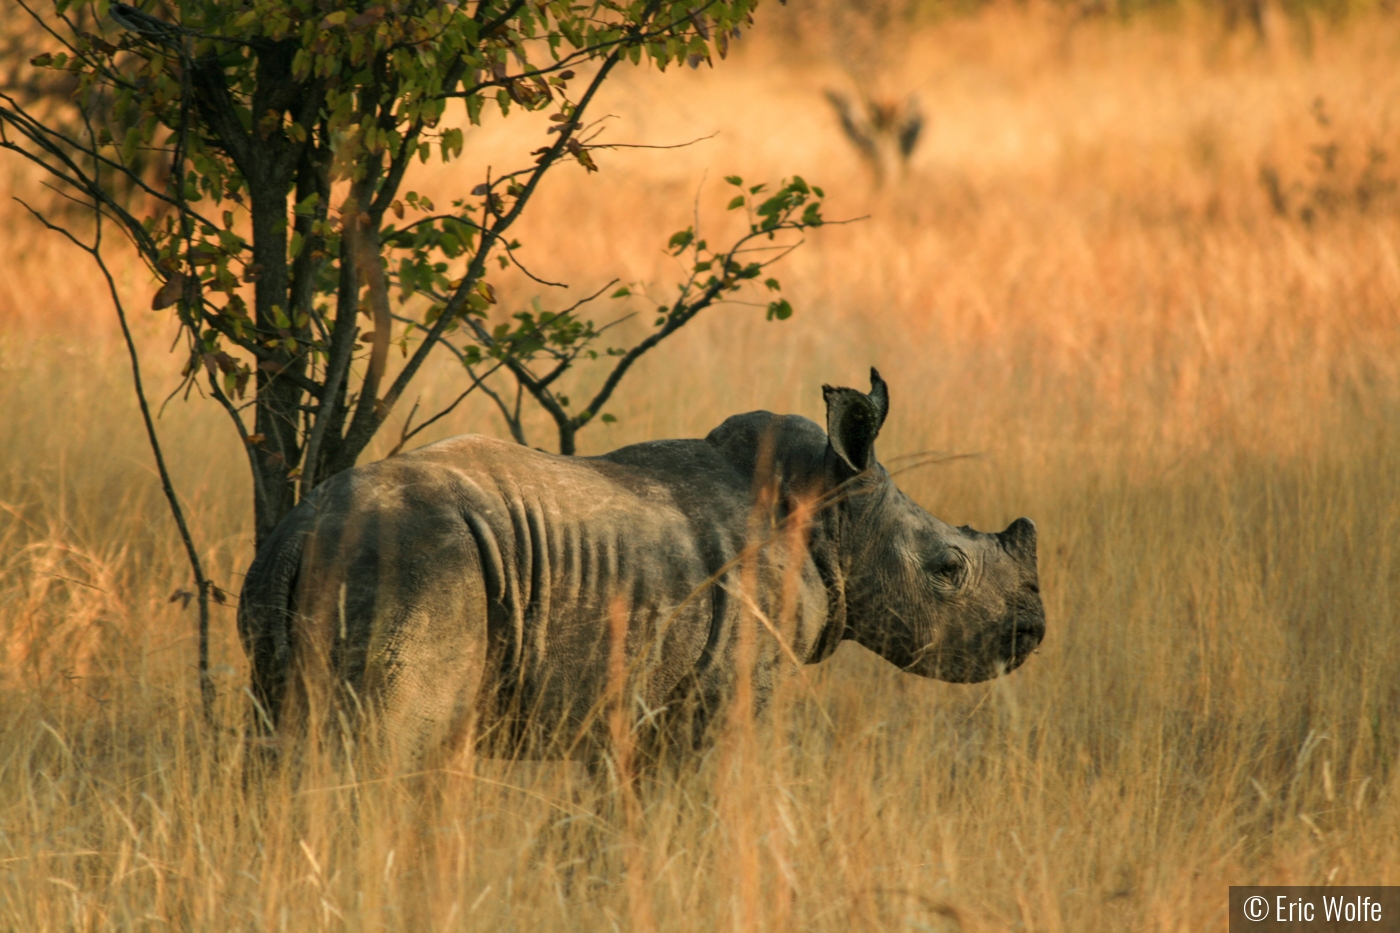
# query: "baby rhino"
477,591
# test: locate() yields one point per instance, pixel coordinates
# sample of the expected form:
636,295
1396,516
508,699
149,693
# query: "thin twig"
408,435
510,254
698,139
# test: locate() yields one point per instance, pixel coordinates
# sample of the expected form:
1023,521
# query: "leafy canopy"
278,216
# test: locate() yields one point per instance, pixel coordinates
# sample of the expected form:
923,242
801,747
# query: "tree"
288,131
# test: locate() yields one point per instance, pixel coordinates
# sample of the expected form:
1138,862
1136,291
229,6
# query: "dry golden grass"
1081,280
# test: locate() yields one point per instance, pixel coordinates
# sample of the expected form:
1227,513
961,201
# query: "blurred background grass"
1142,263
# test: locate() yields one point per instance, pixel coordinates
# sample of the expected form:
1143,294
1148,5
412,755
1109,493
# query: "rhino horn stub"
853,420
1019,539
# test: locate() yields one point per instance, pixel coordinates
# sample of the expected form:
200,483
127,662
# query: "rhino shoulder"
798,443
687,469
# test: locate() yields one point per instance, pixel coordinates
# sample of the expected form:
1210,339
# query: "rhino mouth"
998,654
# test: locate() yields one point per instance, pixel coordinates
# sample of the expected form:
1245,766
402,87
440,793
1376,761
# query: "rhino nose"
1026,634
1030,632
1019,539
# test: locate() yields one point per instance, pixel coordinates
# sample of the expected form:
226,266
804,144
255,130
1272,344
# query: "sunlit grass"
1082,281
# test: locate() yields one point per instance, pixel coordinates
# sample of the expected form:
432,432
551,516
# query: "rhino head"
950,603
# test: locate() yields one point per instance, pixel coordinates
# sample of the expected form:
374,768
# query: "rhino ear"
879,394
1019,540
853,420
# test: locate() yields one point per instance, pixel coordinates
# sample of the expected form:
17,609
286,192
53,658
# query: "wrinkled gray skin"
465,591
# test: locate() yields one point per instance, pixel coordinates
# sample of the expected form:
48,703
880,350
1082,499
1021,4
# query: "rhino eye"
948,569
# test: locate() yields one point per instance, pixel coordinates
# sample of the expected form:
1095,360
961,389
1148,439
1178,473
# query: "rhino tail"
266,609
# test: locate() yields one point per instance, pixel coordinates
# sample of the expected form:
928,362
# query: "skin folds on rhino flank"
469,590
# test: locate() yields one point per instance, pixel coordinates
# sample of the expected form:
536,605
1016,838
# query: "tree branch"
367,420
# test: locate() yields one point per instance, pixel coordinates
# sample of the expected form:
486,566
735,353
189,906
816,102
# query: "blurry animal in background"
885,132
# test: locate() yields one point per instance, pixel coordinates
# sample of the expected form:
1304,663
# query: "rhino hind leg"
402,630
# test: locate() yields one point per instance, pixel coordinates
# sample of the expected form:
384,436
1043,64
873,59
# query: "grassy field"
1082,279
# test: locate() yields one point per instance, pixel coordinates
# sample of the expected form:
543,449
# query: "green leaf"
130,142
622,292
734,180
737,201
607,419
451,143
679,241
779,310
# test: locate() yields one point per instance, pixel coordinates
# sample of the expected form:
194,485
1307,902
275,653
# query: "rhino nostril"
1026,635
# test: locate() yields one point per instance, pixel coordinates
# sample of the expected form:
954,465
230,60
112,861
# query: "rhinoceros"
469,591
